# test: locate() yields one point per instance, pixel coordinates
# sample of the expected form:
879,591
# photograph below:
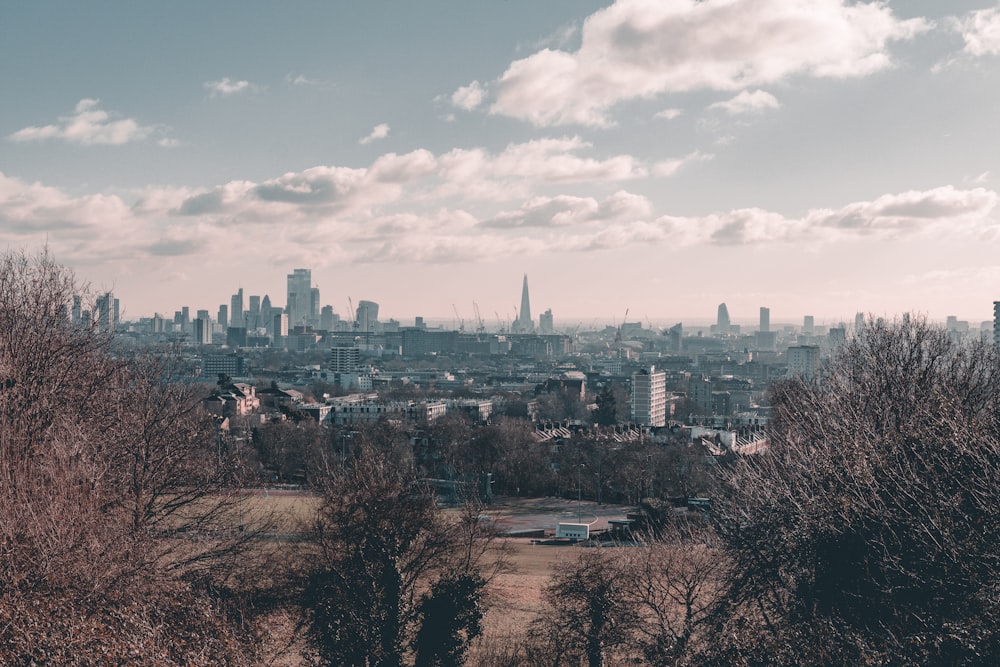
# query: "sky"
819,157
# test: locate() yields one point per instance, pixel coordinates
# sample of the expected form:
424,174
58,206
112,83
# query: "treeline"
866,534
505,454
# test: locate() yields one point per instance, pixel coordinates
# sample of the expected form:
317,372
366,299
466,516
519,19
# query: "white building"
649,397
344,359
803,360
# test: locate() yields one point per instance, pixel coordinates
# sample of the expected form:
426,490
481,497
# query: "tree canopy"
868,532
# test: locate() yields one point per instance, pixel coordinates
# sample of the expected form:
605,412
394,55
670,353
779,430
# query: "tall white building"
649,397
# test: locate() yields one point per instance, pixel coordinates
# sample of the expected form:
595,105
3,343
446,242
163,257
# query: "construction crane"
500,326
480,327
618,334
352,314
461,322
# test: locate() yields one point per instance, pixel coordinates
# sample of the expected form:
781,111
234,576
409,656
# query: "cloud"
415,180
617,236
469,97
669,114
641,49
94,227
912,210
302,80
226,87
380,131
565,211
944,211
748,102
88,125
981,31
556,161
447,249
560,38
671,167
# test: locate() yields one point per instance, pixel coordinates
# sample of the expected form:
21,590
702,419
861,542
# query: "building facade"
649,397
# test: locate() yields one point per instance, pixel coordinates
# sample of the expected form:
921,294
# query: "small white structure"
573,531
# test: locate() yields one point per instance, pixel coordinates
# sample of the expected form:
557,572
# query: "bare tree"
868,531
675,582
387,559
588,613
77,582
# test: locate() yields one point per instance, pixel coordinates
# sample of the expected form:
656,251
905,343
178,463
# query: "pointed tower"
524,322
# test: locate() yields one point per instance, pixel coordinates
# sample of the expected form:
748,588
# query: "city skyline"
816,157
367,311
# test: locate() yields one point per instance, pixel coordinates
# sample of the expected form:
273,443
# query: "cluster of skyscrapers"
247,318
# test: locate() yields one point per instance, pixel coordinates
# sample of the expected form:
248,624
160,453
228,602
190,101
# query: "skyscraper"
266,314
723,324
545,322
326,318
367,315
765,319
524,323
253,319
202,331
299,304
236,318
314,307
106,312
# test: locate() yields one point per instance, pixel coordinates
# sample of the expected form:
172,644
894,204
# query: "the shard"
524,321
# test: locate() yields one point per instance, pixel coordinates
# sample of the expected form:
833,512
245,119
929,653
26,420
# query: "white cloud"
380,131
302,80
565,211
644,48
560,38
555,161
469,97
669,114
671,167
748,102
88,125
225,87
944,211
981,31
